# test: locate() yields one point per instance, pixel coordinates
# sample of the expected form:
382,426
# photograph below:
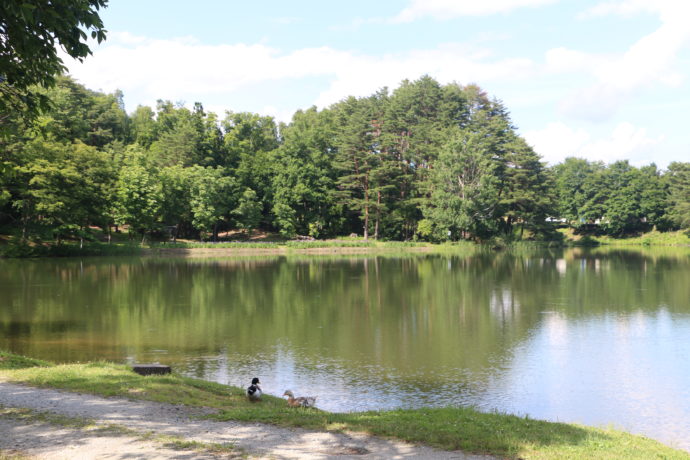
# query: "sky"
604,80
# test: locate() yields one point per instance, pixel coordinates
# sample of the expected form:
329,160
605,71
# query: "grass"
208,244
13,455
10,361
11,246
651,238
17,249
453,428
28,415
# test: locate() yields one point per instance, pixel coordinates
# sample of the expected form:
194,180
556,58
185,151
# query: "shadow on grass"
470,430
446,428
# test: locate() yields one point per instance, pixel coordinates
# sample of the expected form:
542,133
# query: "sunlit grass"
446,428
652,238
12,361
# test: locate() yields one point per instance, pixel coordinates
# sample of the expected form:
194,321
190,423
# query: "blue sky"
599,79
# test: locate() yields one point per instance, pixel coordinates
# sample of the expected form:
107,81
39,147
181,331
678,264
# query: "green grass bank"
652,238
452,428
13,247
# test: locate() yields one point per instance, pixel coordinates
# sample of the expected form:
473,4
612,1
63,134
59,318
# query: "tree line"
424,161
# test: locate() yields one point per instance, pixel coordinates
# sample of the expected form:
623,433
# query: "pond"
599,337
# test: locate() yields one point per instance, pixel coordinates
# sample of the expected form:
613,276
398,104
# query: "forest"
424,161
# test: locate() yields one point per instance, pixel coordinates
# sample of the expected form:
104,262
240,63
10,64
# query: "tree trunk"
366,208
378,214
366,222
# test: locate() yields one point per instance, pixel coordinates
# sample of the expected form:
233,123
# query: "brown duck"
302,401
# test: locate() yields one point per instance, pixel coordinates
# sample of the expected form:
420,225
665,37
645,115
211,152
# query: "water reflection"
597,337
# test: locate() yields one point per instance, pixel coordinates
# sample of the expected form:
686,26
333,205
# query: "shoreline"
11,248
278,251
452,432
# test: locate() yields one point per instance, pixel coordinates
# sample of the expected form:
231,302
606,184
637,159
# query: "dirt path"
46,440
50,442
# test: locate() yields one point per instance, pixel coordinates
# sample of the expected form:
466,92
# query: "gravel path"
257,440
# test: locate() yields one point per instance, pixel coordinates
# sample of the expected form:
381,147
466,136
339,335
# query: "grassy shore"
454,428
12,247
652,238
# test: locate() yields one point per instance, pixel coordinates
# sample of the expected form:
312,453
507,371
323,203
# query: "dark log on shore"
151,369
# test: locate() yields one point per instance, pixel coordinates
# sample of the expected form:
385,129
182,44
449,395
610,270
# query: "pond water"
599,337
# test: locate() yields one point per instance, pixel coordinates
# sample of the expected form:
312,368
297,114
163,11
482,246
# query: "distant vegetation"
424,162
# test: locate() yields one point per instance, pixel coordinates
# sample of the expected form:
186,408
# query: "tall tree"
248,211
678,178
176,212
212,196
249,143
139,195
303,176
571,181
654,197
526,197
464,198
356,158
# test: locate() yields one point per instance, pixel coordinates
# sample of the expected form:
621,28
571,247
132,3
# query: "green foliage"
303,181
618,199
285,219
678,180
12,361
212,196
430,161
465,188
248,211
139,195
176,183
248,145
425,229
143,126
30,32
526,197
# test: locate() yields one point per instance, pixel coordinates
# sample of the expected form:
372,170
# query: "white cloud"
563,60
448,9
558,141
628,8
174,69
649,61
362,75
284,115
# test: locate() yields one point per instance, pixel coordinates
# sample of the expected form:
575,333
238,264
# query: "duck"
254,390
302,401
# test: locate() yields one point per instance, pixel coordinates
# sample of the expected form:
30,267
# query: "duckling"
302,401
254,390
